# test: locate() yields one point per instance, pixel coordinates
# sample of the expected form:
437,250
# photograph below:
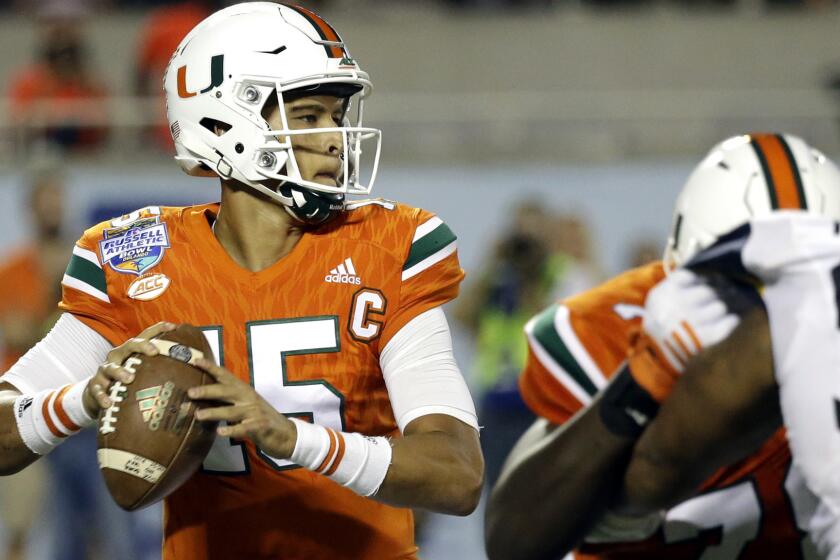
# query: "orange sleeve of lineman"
649,367
545,395
576,346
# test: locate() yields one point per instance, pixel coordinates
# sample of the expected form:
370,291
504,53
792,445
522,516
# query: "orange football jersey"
744,511
306,332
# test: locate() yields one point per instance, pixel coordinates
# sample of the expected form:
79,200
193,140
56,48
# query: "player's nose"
332,143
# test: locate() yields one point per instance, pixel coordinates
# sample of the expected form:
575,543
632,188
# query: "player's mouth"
326,177
329,179
329,172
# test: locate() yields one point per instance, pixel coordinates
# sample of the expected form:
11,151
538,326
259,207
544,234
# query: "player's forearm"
53,409
721,410
437,465
437,471
33,424
566,474
668,467
14,454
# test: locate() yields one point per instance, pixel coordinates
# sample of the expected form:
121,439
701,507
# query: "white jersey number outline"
737,512
269,342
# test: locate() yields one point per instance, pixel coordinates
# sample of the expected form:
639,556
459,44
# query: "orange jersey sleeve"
650,368
431,273
85,289
575,346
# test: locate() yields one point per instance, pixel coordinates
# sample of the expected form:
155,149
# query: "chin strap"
310,207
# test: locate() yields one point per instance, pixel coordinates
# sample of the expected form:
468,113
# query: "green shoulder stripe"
429,244
550,340
85,271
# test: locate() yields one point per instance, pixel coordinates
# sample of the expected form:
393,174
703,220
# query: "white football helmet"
219,80
748,176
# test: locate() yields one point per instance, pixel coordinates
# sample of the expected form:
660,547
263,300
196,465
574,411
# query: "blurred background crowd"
552,135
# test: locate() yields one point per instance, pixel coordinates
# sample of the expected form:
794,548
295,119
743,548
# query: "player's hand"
247,414
96,393
683,315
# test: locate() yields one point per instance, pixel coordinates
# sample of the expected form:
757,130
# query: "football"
149,442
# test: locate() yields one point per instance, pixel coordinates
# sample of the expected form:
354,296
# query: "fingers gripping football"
116,369
246,413
683,315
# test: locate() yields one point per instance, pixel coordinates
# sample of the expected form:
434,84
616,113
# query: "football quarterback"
340,402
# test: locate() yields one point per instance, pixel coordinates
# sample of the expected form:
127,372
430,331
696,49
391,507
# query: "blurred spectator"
644,251
30,278
21,507
571,247
57,99
525,273
29,290
59,8
161,34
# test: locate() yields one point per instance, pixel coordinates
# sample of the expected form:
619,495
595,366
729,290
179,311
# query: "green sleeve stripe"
546,334
429,244
85,271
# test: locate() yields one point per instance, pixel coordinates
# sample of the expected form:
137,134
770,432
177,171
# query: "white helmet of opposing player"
748,176
223,73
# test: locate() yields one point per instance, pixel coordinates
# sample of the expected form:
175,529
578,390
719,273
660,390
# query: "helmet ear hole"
215,126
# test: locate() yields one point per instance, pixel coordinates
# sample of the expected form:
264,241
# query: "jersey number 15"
269,342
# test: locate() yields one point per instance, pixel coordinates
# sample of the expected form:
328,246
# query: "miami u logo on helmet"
217,76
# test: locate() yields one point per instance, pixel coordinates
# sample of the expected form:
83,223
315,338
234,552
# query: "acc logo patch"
147,288
136,247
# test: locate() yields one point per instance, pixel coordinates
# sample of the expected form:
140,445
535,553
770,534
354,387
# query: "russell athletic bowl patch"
135,248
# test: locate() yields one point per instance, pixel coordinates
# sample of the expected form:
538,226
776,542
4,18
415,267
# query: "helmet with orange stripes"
748,176
232,69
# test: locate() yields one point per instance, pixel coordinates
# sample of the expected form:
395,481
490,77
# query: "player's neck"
255,231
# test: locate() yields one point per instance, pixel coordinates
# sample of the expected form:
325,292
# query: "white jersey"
795,257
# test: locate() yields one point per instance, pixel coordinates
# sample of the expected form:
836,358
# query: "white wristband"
353,460
45,419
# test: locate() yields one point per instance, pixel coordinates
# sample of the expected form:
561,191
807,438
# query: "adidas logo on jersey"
344,273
